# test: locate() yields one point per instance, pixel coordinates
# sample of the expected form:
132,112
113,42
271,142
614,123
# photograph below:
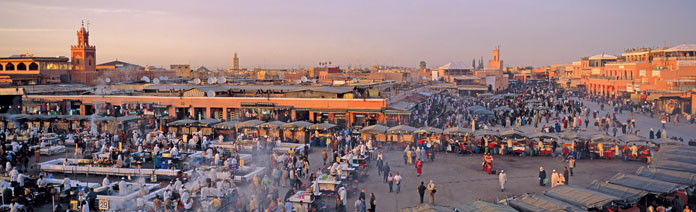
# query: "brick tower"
83,59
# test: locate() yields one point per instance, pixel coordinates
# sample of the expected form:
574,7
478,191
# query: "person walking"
373,202
566,177
390,181
324,156
421,191
502,179
419,167
571,164
386,170
397,181
379,165
431,190
542,176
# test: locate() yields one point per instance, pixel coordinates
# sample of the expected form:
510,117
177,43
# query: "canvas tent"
581,197
678,177
644,183
625,193
481,206
535,203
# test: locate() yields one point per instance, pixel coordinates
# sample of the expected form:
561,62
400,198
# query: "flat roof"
284,88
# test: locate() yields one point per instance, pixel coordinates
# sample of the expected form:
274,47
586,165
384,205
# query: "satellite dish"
303,78
145,78
197,81
164,77
212,80
298,81
221,80
211,93
156,80
314,80
355,80
107,80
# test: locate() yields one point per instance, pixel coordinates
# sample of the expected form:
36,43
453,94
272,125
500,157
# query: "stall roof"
457,131
629,194
675,158
296,125
674,165
182,122
429,130
250,123
321,126
482,206
580,197
273,124
481,133
375,129
401,129
644,183
684,178
207,122
128,118
426,207
226,125
513,133
535,203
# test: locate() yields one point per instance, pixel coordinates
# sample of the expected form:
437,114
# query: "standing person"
324,156
359,205
542,176
419,167
373,202
386,170
554,178
431,190
421,191
502,179
571,164
397,181
390,181
566,177
379,165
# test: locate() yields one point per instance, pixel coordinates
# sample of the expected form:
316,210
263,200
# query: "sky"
357,33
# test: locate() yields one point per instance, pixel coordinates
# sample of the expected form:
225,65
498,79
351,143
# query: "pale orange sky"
303,33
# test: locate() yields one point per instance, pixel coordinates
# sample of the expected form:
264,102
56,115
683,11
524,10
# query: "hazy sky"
301,33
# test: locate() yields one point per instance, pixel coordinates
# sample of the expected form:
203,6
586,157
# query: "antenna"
88,25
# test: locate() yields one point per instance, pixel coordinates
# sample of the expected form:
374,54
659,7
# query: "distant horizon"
301,34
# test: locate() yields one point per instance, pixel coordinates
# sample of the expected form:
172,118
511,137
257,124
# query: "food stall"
328,183
377,131
295,131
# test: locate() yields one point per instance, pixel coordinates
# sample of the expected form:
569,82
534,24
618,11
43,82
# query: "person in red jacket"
419,167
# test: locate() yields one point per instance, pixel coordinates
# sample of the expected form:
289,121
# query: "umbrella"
542,135
322,126
487,95
532,101
401,129
503,108
428,130
481,133
375,129
483,112
457,131
496,97
513,133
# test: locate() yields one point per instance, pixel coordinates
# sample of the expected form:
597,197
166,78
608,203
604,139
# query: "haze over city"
294,34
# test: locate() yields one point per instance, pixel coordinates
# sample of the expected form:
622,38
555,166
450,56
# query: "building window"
10,67
21,67
33,67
